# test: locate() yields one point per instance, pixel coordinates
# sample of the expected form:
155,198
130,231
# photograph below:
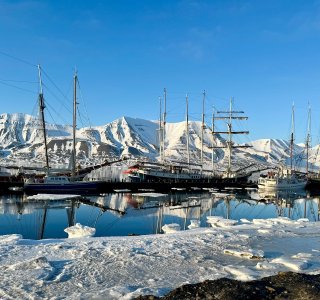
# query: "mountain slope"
22,144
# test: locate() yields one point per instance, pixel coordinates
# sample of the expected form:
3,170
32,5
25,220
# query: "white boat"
284,180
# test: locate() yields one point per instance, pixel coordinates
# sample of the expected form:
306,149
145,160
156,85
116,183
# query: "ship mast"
74,124
164,119
43,124
212,131
292,138
308,139
202,127
229,116
187,128
160,132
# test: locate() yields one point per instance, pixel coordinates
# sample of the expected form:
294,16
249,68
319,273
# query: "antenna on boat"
187,127
43,124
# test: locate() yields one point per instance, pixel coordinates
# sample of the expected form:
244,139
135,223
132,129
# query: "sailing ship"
189,172
53,183
164,171
239,175
284,178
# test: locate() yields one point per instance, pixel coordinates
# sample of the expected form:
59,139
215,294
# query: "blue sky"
264,54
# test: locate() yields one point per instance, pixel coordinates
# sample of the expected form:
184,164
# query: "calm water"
128,214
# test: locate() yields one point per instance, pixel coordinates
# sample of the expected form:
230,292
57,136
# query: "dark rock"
285,285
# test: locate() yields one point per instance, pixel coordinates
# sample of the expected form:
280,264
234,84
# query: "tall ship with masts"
230,174
53,182
171,172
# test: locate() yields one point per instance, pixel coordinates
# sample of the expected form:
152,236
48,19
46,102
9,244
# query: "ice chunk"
241,273
246,253
220,222
294,264
79,230
10,238
171,228
194,224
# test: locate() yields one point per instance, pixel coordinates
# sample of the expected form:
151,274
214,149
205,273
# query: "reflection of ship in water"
168,208
291,204
270,196
141,213
267,205
29,217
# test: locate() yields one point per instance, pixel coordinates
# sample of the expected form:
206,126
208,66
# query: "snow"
153,195
133,138
125,267
52,197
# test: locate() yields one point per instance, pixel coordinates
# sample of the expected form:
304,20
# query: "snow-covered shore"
125,267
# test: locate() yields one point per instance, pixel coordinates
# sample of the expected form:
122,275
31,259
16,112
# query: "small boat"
283,180
61,184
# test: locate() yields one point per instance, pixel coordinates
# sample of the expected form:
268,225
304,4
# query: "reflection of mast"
186,217
159,218
228,207
43,224
71,214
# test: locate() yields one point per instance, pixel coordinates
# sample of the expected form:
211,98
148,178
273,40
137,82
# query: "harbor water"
125,213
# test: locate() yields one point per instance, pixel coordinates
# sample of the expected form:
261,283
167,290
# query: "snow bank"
126,267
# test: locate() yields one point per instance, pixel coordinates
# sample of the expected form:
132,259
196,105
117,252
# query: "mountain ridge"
21,142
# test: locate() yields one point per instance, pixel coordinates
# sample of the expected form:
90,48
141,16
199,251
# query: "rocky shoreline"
285,285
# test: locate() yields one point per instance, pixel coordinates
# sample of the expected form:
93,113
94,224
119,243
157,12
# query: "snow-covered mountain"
21,143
